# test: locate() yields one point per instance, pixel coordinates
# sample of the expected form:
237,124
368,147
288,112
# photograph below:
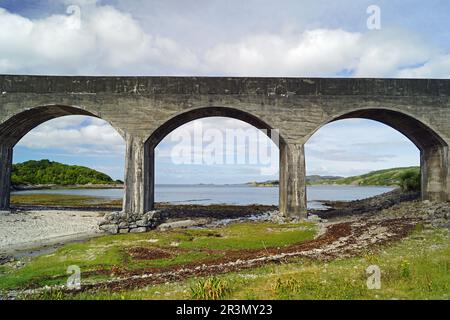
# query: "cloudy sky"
209,37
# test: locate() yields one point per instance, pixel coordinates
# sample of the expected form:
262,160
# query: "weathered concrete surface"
139,177
6,152
434,165
145,109
292,179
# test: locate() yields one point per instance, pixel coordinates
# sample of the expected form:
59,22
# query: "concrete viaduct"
145,109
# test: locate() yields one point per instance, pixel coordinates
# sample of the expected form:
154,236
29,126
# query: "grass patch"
414,268
187,246
61,200
210,289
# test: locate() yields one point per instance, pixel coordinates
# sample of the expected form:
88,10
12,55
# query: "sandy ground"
30,231
33,229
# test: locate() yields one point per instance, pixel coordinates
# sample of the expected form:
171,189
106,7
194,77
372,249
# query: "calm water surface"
229,194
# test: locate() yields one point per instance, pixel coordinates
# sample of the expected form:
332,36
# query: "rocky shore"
119,222
368,205
26,230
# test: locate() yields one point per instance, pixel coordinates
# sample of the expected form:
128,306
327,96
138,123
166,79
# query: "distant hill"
315,179
45,172
386,177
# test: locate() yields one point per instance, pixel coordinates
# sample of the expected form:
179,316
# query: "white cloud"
105,41
322,52
356,146
75,135
439,67
313,52
109,41
384,54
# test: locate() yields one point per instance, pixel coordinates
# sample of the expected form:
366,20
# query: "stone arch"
205,112
139,178
17,126
433,148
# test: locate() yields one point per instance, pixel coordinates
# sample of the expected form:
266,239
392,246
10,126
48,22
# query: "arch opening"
161,132
54,139
218,120
416,131
432,150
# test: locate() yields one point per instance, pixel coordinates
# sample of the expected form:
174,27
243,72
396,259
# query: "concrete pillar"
292,180
448,176
435,175
6,152
139,177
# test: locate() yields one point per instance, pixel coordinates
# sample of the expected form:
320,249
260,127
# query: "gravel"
33,229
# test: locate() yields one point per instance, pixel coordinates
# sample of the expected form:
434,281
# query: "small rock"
123,225
6,259
181,224
142,222
110,228
314,217
154,214
103,222
138,230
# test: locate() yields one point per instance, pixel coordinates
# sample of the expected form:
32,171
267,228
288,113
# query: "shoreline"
328,185
21,231
18,188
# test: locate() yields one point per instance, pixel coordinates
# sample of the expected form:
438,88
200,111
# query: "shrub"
410,180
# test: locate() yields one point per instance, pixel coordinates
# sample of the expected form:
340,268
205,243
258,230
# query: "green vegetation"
49,172
210,289
154,249
268,183
387,177
414,268
408,178
61,200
